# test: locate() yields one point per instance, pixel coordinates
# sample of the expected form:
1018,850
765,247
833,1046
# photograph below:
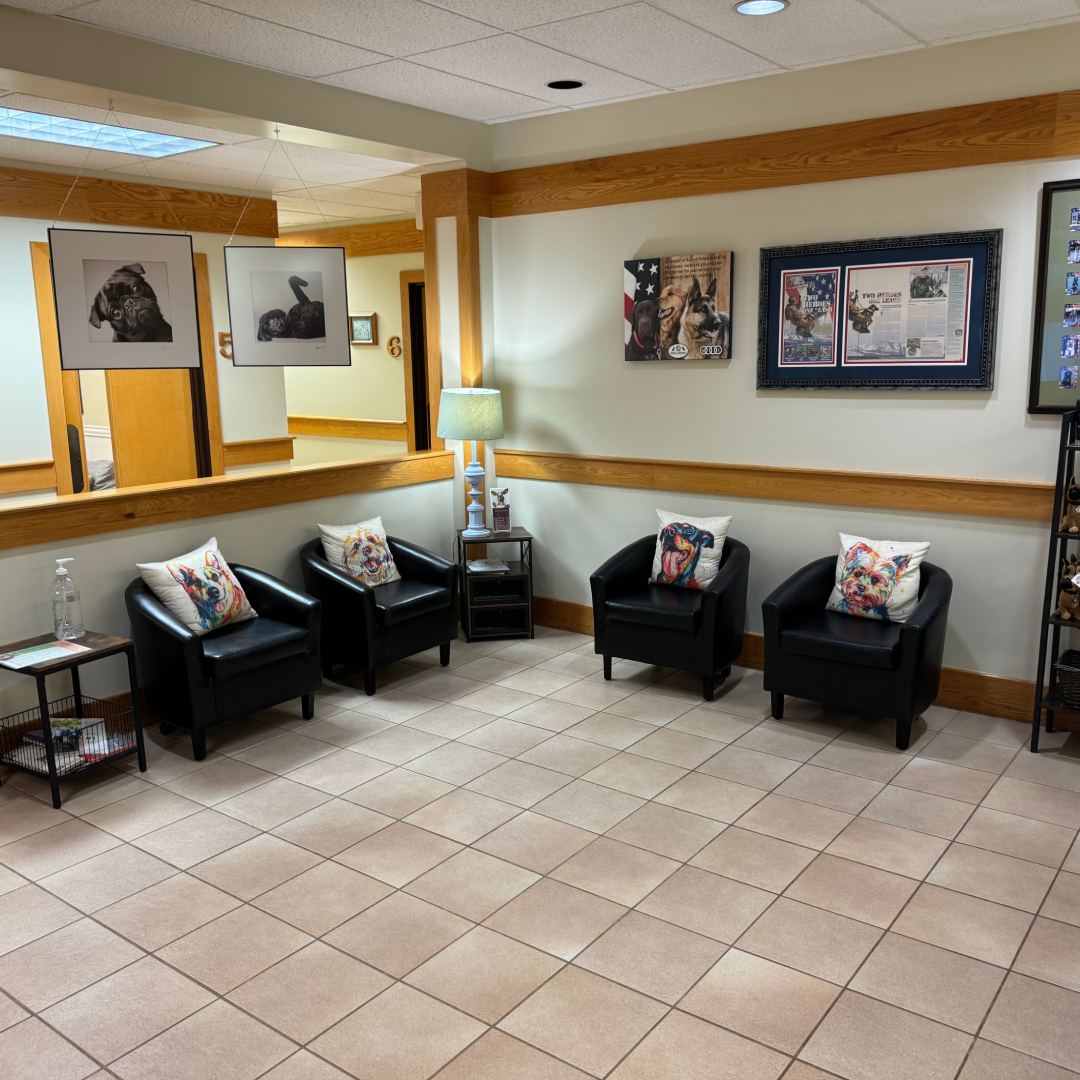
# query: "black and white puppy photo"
125,299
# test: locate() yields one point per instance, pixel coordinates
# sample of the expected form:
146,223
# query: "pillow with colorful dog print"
360,550
688,550
199,588
877,579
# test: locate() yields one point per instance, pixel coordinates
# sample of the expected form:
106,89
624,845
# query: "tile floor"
512,870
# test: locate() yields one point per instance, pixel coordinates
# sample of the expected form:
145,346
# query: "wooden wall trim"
346,428
136,508
1020,129
886,491
456,192
30,194
19,476
258,451
371,238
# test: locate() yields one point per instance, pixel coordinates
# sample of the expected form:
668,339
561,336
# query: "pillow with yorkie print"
360,550
688,550
877,579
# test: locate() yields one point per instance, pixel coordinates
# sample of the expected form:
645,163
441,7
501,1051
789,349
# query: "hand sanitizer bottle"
67,608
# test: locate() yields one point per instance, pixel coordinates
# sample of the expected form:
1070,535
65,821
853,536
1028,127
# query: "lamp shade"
471,413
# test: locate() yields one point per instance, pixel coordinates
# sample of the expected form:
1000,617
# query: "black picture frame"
812,282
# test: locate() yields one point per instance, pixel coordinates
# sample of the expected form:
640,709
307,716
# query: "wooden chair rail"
344,427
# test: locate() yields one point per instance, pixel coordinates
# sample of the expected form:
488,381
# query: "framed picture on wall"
899,313
124,300
288,306
1055,347
677,307
362,329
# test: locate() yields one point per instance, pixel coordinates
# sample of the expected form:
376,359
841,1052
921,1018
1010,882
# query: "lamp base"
474,476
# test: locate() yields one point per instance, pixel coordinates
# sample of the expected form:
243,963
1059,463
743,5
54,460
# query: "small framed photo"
363,329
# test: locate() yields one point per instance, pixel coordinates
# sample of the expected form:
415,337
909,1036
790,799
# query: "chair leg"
198,744
307,706
903,733
369,682
708,687
444,654
607,667
777,706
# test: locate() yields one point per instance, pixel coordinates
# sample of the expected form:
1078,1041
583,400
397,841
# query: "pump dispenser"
66,605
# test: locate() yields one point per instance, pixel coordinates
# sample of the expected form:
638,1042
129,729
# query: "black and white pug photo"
131,301
288,304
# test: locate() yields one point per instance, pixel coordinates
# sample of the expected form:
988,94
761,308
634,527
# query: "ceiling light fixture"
760,7
41,127
565,84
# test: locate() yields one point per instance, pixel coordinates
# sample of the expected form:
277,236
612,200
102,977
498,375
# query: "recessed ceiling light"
761,7
19,124
565,84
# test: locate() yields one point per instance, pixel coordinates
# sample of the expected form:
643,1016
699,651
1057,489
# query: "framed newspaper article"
901,313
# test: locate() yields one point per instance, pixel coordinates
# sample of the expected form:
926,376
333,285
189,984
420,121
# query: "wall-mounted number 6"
393,346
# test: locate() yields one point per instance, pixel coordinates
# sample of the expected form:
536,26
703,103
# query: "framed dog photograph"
362,329
288,306
124,300
900,313
678,307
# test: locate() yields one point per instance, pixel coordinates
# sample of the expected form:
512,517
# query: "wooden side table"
107,732
496,605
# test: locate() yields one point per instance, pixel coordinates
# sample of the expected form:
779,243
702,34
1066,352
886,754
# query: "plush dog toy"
1070,520
1068,609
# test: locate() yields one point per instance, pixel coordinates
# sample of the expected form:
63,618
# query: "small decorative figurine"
1070,520
1068,609
500,509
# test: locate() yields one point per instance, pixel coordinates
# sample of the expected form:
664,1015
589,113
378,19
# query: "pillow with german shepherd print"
688,550
199,588
360,550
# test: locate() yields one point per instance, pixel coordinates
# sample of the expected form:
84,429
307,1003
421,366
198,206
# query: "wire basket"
1068,678
105,731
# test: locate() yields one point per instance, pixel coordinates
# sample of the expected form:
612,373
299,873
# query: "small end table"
496,604
114,730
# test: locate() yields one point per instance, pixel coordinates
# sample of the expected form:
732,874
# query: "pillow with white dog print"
360,550
877,579
199,588
688,550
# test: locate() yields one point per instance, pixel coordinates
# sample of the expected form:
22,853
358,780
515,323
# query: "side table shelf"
496,605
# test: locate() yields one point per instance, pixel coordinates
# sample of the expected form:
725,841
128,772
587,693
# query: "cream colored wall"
311,449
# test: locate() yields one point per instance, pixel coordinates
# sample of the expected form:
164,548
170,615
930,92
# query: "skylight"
119,140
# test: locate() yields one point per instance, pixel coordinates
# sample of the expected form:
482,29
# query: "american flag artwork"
641,281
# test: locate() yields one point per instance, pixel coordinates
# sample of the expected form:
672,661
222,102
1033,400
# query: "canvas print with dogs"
124,300
678,307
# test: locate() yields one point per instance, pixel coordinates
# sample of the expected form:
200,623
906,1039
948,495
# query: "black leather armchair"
694,630
197,682
884,669
368,626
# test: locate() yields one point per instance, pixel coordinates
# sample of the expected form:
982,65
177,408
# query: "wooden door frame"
407,278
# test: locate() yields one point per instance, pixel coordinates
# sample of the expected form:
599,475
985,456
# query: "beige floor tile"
332,827
519,783
29,913
810,939
43,853
766,1002
93,792
398,933
589,806
964,924
10,1013
196,838
988,1061
506,737
786,740
397,706
272,803
536,842
398,853
594,696
742,695
490,669
557,918
825,787
344,728
971,753
986,874
584,1019
499,1057
1052,953
755,859
551,715
708,723
881,734
32,1051
1063,901
635,775
1036,801
305,1066
462,815
456,763
398,792
164,912
710,796
107,878
852,889
127,1008
564,754
888,848
484,974
537,681
256,866
677,747
534,652
142,813
750,767
872,1040
339,771
1072,860
794,821
169,760
10,881
706,903
1059,768
221,780
939,778
1037,1019
321,898
573,663
497,700
615,870
666,830
309,991
443,686
220,1040
918,811
877,762
52,967
400,1035
611,730
650,708
230,950
397,745
449,721
921,978
991,728
1036,841
472,884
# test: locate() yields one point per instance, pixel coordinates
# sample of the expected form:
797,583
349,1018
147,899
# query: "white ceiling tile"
354,163
392,27
651,45
299,202
802,34
526,67
402,184
206,29
182,171
45,7
936,20
515,14
74,157
294,218
328,197
399,80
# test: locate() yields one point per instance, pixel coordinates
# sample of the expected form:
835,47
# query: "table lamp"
472,413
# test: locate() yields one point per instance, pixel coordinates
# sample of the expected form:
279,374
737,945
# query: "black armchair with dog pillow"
696,630
366,627
196,682
871,666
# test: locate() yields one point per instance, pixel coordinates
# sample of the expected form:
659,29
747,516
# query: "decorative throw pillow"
688,550
360,550
199,588
877,579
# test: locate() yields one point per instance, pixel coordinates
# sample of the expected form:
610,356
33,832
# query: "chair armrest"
159,619
416,563
933,605
625,571
806,590
271,597
730,578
